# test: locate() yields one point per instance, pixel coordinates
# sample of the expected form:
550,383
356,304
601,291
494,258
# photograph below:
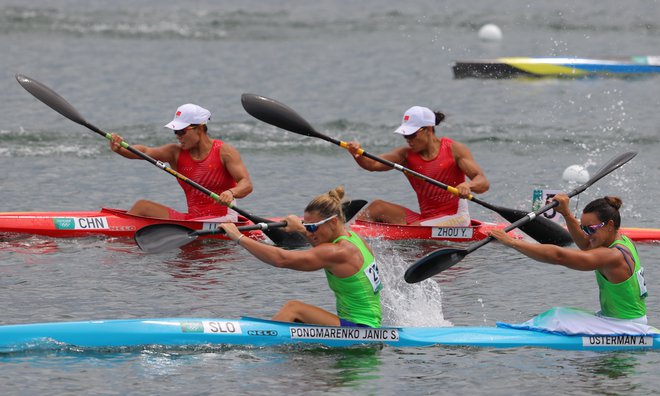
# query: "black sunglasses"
183,131
414,135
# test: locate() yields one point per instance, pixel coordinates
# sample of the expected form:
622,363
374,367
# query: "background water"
351,70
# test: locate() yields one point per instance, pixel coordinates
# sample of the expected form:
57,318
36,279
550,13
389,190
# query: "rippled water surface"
350,70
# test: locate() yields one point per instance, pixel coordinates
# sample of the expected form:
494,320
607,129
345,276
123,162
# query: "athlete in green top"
348,263
603,249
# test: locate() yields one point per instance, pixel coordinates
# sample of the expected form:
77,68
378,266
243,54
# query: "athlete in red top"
441,159
211,163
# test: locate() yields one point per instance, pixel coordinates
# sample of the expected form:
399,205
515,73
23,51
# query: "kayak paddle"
158,238
442,259
275,113
59,104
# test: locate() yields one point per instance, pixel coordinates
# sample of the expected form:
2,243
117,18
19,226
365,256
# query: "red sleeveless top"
210,173
435,201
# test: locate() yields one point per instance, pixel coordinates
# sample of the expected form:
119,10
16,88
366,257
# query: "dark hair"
606,209
328,204
439,117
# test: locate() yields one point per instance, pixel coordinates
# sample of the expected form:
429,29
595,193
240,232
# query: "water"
351,70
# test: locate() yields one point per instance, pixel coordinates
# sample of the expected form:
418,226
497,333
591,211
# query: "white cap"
188,114
414,118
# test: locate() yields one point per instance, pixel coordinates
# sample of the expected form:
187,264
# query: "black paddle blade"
541,229
279,237
50,98
275,113
351,208
158,238
433,263
613,164
286,239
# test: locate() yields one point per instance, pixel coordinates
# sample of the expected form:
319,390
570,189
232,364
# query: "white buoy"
490,32
576,173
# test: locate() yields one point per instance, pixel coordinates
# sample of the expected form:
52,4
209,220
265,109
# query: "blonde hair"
328,204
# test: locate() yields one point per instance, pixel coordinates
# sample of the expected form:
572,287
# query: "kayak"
252,332
478,230
117,223
513,67
106,222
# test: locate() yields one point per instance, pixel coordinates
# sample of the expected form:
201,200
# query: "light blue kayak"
251,332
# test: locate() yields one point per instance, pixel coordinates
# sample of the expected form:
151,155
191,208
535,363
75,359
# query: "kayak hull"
251,332
477,231
531,67
106,222
117,223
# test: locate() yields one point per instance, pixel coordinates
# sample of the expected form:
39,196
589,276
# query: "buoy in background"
490,32
576,173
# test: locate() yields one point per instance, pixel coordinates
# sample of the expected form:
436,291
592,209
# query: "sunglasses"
183,131
312,227
591,229
414,135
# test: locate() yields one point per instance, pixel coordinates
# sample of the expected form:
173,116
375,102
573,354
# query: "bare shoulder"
166,153
459,149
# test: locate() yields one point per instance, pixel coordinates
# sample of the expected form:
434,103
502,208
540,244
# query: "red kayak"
106,222
117,223
478,230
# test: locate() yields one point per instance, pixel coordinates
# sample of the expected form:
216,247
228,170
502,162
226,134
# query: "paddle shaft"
59,104
442,259
605,170
166,168
282,116
251,227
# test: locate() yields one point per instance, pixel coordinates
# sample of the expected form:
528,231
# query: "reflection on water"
341,368
27,244
303,368
612,365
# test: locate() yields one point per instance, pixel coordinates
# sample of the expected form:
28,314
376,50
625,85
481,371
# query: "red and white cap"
188,114
414,118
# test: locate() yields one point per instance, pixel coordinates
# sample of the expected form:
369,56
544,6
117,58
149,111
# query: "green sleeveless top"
624,300
358,296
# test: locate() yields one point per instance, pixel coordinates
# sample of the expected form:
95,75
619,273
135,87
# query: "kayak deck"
106,222
251,332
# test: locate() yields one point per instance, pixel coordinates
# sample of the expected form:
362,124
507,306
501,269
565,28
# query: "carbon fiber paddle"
158,238
442,259
59,104
275,113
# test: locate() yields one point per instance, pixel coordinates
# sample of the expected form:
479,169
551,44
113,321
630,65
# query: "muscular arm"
167,153
342,259
572,224
610,262
463,157
398,156
232,161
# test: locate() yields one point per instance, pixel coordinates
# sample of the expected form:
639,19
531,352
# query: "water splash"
404,304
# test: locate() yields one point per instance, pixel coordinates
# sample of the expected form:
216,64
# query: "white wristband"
238,240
